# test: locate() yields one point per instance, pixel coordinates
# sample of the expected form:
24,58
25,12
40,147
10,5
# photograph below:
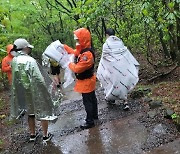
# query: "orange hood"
84,37
9,48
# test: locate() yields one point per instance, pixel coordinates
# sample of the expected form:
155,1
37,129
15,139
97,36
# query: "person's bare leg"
31,123
44,124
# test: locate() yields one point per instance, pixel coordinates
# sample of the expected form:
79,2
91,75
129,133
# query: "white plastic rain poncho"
117,70
57,52
29,91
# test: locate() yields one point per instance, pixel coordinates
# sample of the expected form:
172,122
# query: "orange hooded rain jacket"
6,63
86,61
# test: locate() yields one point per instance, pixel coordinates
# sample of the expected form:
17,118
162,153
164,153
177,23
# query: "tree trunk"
165,50
176,7
160,33
103,27
172,42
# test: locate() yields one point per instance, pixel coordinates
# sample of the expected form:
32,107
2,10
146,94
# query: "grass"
10,122
1,144
167,92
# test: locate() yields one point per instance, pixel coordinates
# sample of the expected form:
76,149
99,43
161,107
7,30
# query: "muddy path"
139,130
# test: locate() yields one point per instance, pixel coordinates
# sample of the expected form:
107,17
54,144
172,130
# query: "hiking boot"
87,126
47,138
126,106
33,137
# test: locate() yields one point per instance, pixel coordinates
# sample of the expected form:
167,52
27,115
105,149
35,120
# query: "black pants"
90,104
55,70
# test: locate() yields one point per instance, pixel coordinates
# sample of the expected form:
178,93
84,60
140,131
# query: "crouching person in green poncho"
29,91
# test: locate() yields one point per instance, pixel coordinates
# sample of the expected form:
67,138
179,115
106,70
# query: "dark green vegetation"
146,26
150,29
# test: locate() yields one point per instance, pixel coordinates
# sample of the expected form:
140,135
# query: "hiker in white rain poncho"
117,70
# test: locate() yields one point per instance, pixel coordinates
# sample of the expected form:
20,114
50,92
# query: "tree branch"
62,6
74,3
57,8
163,74
70,4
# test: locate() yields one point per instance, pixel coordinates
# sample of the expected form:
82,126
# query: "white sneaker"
47,138
33,137
126,106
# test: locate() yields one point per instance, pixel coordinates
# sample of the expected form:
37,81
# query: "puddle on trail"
118,136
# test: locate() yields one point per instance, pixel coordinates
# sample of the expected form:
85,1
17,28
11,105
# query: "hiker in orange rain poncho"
83,67
6,62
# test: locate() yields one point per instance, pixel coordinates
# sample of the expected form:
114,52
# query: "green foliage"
1,142
176,118
137,23
3,76
161,17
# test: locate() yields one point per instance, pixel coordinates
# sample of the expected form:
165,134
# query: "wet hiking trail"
137,131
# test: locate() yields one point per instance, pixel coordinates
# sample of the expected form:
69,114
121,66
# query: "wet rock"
140,93
156,137
147,99
168,113
159,129
178,127
155,104
152,114
137,94
147,90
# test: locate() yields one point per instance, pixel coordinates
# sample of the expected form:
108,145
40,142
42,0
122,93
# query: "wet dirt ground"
117,131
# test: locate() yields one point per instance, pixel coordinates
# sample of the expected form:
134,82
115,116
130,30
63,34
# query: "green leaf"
171,16
1,141
166,37
88,2
171,5
145,12
174,116
160,20
118,3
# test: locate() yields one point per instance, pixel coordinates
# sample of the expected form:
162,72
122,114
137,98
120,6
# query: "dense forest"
151,28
